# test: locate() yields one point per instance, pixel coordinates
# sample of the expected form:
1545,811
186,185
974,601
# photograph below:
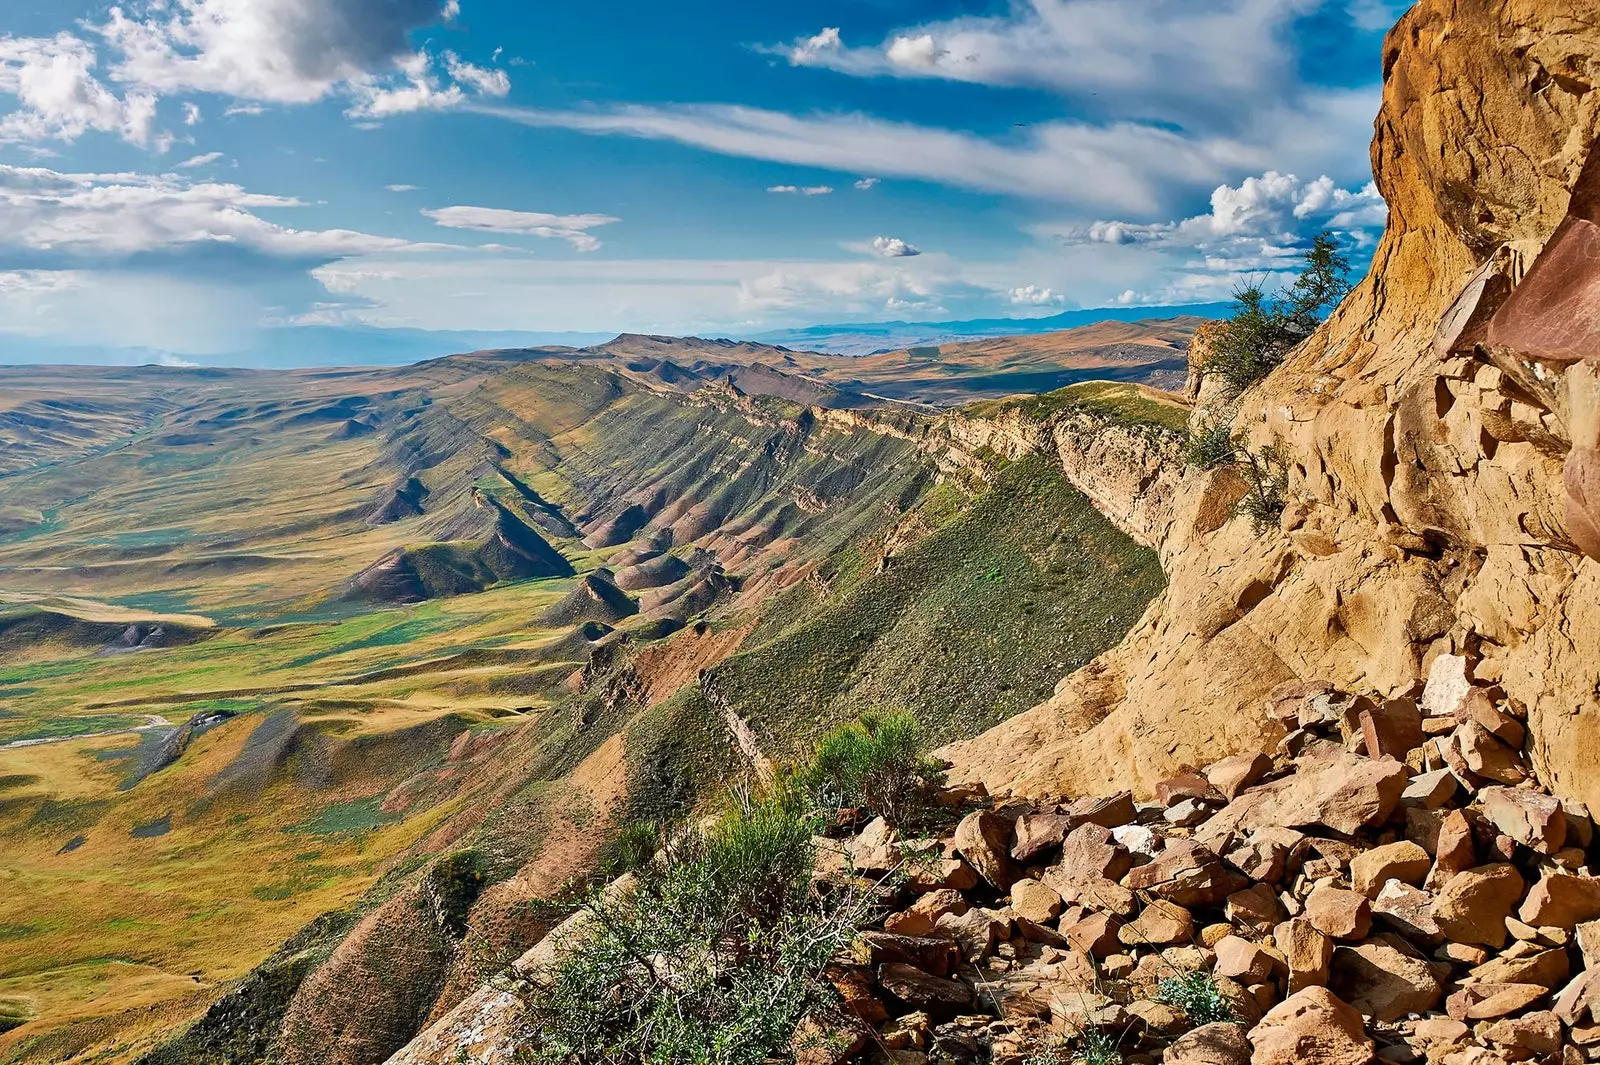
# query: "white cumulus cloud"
1034,296
60,97
894,248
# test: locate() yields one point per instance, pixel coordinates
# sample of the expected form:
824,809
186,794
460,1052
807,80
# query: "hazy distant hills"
865,338
368,346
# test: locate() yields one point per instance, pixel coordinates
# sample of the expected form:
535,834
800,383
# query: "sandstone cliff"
1439,463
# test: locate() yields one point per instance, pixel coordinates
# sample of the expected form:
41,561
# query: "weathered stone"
1536,1033
922,916
976,931
1107,811
1096,934
1034,901
1454,850
1103,896
1160,924
1033,834
1588,938
856,988
1547,968
940,873
1488,757
1212,934
1472,906
1392,729
1344,792
1338,913
1186,813
1188,874
1531,818
1579,1002
1089,853
1487,1002
983,839
1310,1027
922,990
1210,1044
1430,790
827,1040
1240,959
1255,907
1306,951
1231,776
1384,978
876,849
1403,861
1445,694
1503,727
1563,900
938,956
1265,854
1407,910
1140,841
1184,786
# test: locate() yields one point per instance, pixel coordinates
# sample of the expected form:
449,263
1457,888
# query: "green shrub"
879,764
631,848
1198,995
1210,447
713,959
1268,480
1263,329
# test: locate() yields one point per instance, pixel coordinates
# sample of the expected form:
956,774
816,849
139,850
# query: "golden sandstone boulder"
1441,440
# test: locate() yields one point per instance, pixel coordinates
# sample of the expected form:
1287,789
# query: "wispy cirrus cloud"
572,228
1128,166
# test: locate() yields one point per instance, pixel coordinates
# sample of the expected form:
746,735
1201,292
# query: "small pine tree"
1263,330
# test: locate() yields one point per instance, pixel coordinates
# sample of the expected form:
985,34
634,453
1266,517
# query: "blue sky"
189,175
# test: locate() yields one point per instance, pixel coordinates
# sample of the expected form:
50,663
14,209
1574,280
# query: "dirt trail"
151,722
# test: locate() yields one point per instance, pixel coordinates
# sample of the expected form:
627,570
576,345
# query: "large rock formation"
1441,457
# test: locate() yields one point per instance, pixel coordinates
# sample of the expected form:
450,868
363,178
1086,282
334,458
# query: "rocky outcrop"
1438,448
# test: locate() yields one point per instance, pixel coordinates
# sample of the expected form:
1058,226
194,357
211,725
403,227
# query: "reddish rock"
1089,854
1535,1034
1239,959
936,955
1488,757
940,873
1306,951
1184,786
983,839
1472,906
1338,913
1264,856
1487,1002
1392,729
1384,978
827,1040
922,990
1404,861
1532,818
1562,900
1429,791
1096,935
921,917
1231,776
1547,968
1454,849
1344,792
977,931
1310,1027
1407,910
1107,811
1211,1044
1160,924
1188,874
1255,907
1034,901
1033,834
857,989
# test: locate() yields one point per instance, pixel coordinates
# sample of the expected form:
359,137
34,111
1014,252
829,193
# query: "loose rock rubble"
1391,885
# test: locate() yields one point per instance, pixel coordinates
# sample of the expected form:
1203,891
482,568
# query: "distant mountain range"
866,338
297,346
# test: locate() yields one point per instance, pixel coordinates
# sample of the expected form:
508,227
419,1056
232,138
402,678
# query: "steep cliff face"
1435,503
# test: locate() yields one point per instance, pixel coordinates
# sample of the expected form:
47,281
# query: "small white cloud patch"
894,248
572,228
1034,296
867,183
199,161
